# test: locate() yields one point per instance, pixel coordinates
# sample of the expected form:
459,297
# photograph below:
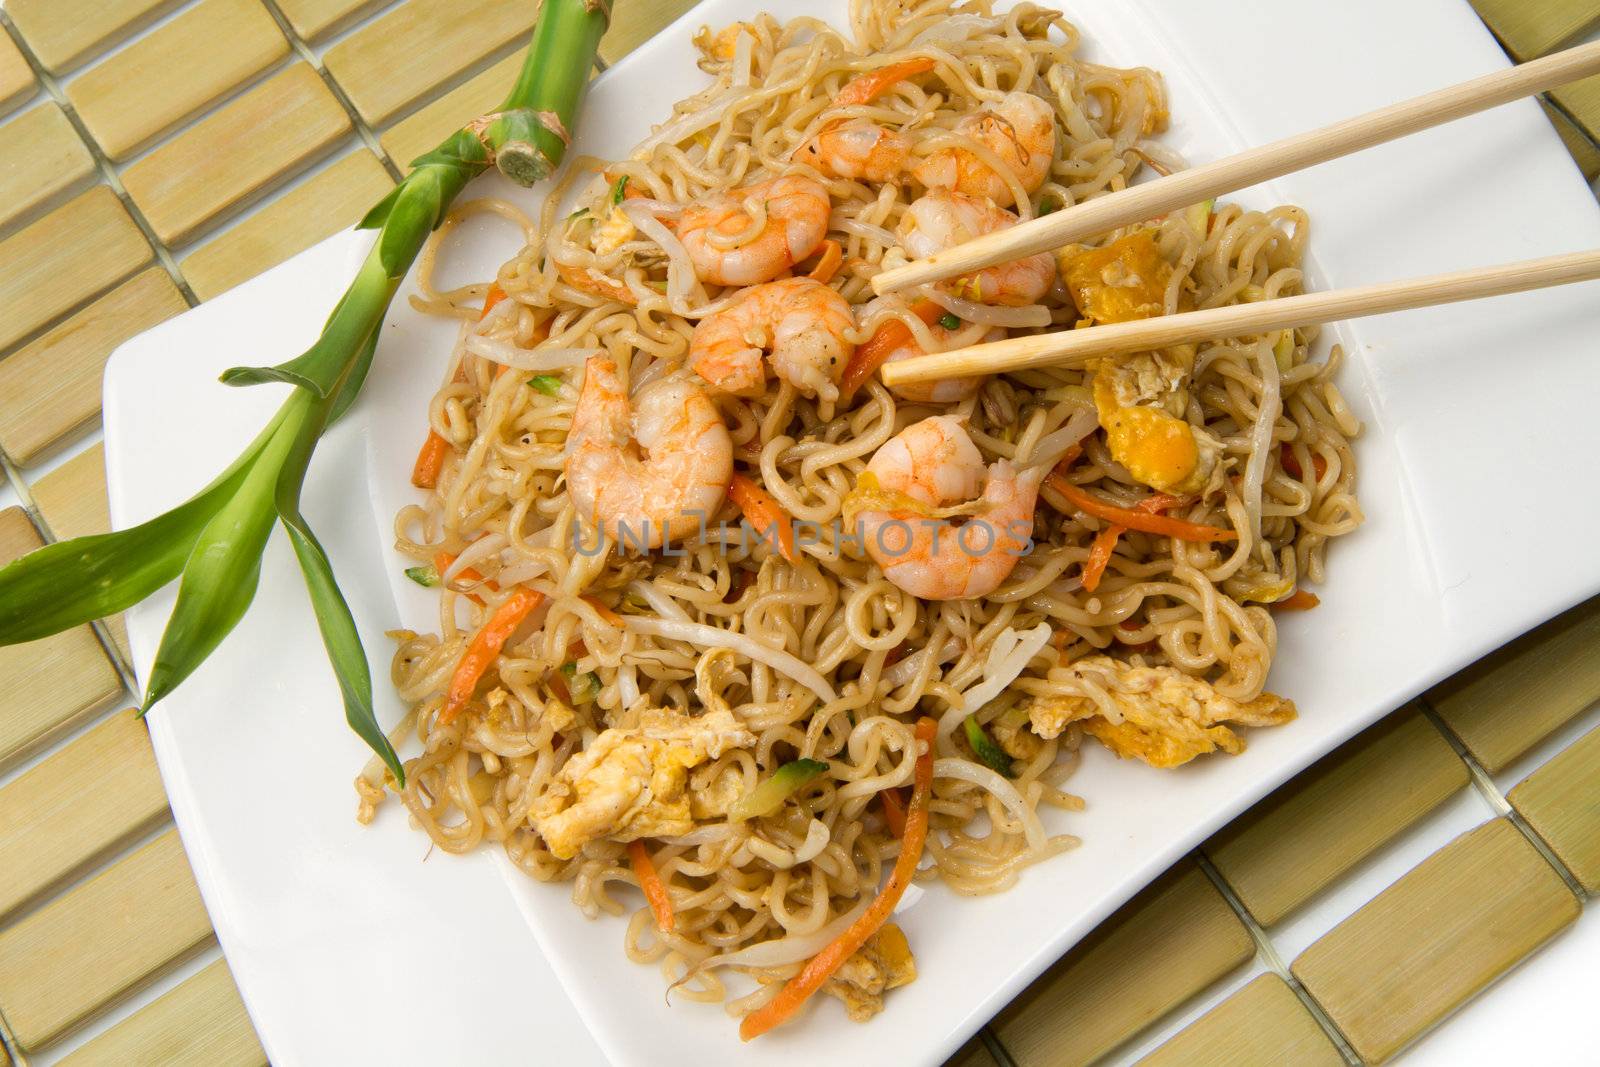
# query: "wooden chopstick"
1146,200
1067,347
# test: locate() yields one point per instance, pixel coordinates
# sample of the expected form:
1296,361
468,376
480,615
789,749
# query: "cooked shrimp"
928,471
649,468
857,149
942,219
801,323
751,235
945,390
1020,130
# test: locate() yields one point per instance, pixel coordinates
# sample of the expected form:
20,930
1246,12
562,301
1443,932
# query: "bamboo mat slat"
1585,152
201,1023
419,46
1581,101
72,501
16,77
1561,801
1167,944
99,792
312,20
1530,28
324,204
1508,702
1335,814
415,66
634,24
44,161
972,1054
65,33
50,685
237,153
424,128
171,74
1262,1025
1435,938
72,254
51,385
100,941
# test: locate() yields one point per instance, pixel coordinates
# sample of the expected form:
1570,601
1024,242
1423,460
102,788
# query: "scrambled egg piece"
1159,449
1125,280
1166,717
616,231
1140,398
1015,739
632,783
882,964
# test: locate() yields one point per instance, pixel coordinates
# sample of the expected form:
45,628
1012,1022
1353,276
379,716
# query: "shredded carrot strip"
484,648
604,612
1299,600
871,354
491,298
828,265
430,460
441,563
655,890
1319,466
1105,542
871,85
1135,519
894,811
821,967
763,512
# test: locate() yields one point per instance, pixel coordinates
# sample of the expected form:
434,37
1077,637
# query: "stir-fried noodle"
641,692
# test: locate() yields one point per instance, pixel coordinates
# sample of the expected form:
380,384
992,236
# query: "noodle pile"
825,658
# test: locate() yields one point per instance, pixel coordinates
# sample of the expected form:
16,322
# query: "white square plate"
353,945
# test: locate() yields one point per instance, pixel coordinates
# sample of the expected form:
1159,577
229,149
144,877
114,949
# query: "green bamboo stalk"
214,541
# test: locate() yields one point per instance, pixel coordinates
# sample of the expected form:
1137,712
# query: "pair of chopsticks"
1139,203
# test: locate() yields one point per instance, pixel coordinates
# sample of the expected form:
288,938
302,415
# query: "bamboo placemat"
155,153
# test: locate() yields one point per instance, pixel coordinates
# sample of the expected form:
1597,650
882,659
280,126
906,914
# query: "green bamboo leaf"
378,213
356,318
352,384
224,567
411,219
342,641
334,618
69,583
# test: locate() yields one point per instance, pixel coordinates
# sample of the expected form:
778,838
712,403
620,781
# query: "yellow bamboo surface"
205,119
51,386
99,791
201,1023
44,159
237,152
419,46
65,33
77,251
54,683
333,200
1561,801
1510,701
1262,1025
1336,813
16,77
313,20
1167,944
171,74
100,940
1440,934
